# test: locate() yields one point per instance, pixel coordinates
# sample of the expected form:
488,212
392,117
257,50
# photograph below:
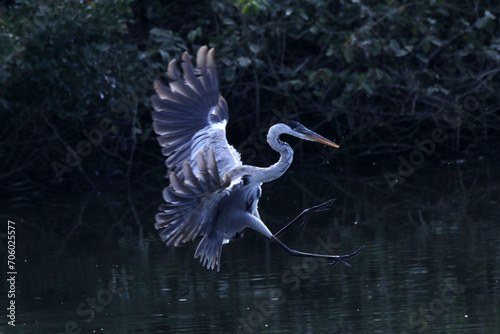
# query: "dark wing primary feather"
191,202
190,115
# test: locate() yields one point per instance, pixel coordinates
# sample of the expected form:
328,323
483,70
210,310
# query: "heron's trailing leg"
306,214
335,258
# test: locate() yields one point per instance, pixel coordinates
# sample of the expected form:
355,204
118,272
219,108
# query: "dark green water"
431,265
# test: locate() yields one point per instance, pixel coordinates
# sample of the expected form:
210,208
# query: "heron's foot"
316,209
341,258
335,258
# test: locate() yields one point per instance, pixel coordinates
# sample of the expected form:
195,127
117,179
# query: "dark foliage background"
374,76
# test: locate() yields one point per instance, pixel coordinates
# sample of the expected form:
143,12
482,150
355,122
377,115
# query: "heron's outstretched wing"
190,115
191,203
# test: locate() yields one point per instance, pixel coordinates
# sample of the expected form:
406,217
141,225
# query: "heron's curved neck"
260,175
285,151
286,155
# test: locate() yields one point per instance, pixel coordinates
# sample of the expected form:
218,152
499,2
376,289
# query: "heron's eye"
293,125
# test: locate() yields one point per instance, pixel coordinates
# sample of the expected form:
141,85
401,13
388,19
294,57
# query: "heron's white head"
298,130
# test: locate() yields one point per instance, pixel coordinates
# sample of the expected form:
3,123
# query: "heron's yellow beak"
313,136
300,131
323,140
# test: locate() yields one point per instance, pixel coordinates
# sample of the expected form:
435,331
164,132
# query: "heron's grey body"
211,193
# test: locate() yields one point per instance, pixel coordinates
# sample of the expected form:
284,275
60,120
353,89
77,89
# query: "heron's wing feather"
190,115
191,203
209,252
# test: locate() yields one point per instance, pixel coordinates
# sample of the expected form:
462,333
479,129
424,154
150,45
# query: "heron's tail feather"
210,250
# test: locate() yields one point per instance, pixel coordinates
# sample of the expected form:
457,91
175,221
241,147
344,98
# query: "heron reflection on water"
211,193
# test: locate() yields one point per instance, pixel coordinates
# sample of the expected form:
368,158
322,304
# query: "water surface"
431,264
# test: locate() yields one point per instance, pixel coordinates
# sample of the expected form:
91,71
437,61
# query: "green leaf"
426,45
165,56
492,54
401,53
229,73
254,48
193,34
368,86
394,45
434,40
436,89
244,61
380,74
297,84
225,60
422,58
404,51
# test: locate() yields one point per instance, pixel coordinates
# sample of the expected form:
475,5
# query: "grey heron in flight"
211,193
